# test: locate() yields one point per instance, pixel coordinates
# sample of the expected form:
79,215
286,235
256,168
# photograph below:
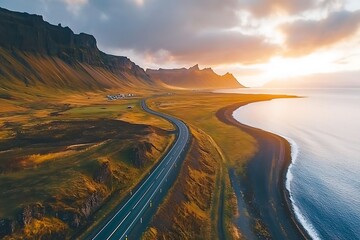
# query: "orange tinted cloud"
262,8
304,37
224,48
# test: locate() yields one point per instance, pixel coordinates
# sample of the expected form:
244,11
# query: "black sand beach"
263,184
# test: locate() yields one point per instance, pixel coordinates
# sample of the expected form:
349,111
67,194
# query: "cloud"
268,8
179,31
239,70
304,37
139,2
75,6
75,2
263,8
213,48
186,31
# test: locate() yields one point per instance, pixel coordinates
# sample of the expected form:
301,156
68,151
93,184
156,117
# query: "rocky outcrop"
138,154
30,212
24,217
194,78
71,217
103,174
74,217
91,203
77,216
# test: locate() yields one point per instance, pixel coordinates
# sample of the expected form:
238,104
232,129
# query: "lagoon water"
324,132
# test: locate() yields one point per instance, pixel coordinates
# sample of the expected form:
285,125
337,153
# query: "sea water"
323,129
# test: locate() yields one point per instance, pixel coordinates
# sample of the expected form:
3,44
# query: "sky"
256,40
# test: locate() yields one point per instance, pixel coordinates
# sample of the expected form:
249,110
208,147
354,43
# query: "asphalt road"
144,196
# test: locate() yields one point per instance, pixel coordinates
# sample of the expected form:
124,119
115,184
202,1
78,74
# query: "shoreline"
265,192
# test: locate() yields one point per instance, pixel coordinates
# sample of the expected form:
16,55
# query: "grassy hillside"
26,73
57,170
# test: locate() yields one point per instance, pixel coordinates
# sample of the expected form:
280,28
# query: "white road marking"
118,225
148,201
160,173
142,196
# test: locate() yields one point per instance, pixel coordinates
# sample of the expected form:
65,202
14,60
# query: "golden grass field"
199,109
52,148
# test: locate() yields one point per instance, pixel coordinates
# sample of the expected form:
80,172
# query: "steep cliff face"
25,37
194,78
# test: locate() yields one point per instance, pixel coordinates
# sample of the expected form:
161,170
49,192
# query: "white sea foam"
289,177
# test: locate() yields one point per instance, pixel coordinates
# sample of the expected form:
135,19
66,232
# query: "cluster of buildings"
119,96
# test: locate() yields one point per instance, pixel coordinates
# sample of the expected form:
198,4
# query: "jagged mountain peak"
194,78
195,68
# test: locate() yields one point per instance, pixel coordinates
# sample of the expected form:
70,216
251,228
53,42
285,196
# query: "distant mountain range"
350,79
193,78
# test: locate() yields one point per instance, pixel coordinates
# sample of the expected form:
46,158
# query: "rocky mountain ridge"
194,78
30,34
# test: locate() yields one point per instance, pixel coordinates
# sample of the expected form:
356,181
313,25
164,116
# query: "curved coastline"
298,214
278,195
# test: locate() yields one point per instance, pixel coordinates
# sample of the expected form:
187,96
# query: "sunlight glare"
280,68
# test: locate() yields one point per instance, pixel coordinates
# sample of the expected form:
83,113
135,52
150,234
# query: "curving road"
146,195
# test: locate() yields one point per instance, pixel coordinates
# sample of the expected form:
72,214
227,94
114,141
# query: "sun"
282,68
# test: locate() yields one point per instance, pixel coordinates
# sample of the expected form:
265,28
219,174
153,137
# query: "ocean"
323,129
